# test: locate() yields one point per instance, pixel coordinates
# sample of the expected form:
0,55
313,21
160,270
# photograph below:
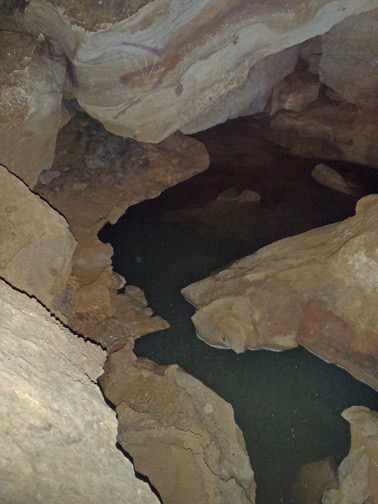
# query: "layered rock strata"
95,177
357,476
148,69
57,434
178,432
317,289
31,84
36,246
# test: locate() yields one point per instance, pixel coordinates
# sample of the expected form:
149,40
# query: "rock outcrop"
95,177
342,122
36,246
32,77
178,432
147,69
357,476
317,289
58,437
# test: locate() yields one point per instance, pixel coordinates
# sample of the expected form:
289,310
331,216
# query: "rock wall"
57,434
179,432
148,69
317,289
36,246
31,85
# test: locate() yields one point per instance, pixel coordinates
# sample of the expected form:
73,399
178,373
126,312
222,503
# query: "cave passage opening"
288,404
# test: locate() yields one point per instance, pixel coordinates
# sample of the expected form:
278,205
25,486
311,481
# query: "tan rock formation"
317,289
147,69
57,434
96,177
31,84
350,59
328,129
36,246
178,432
331,178
357,480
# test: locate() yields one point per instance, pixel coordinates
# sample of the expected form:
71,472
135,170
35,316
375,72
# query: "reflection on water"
287,404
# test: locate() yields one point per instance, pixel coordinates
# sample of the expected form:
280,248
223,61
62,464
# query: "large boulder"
317,289
36,246
31,83
178,432
58,437
147,69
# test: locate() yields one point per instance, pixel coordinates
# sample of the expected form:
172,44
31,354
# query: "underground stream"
288,404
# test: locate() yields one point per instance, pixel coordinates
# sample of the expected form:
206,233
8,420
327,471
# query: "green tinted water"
287,404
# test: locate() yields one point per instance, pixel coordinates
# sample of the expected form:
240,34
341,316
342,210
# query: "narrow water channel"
287,404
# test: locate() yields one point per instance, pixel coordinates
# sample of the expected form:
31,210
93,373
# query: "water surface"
287,404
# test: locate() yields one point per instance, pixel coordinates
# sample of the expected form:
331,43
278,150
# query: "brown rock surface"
31,84
331,178
57,434
328,129
357,476
96,177
178,432
36,246
317,289
171,64
349,63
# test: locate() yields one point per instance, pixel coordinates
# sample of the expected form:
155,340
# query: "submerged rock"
179,433
58,437
36,246
357,476
317,289
334,180
312,481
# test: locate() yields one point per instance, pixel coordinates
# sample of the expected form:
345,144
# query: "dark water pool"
287,404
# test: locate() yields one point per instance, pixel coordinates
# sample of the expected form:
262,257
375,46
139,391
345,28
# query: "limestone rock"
178,432
350,59
31,84
148,69
334,180
57,434
95,177
357,480
36,246
317,289
328,129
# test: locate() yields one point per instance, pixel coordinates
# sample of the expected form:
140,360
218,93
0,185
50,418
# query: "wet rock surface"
58,437
31,85
316,289
36,246
97,176
178,432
